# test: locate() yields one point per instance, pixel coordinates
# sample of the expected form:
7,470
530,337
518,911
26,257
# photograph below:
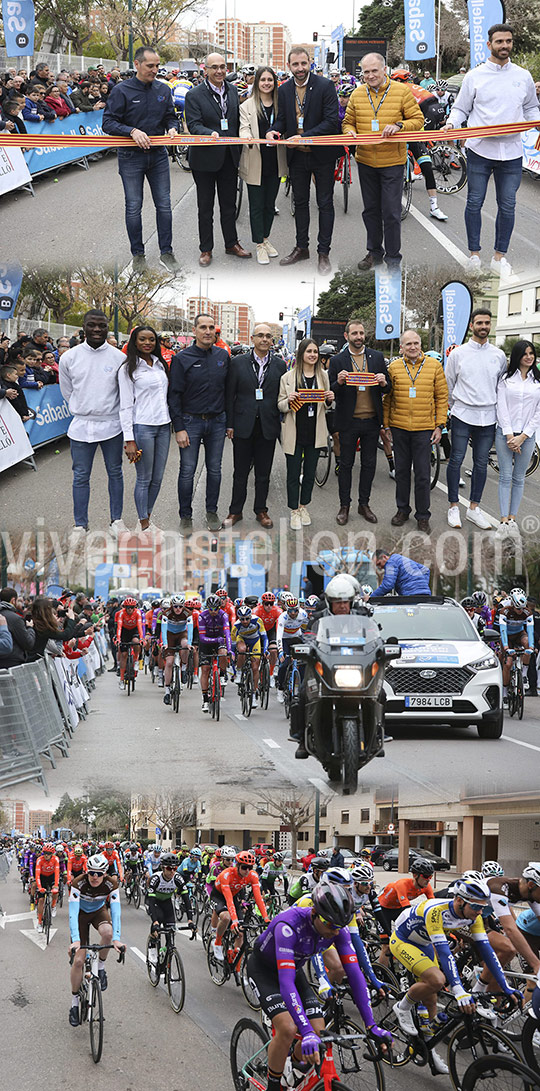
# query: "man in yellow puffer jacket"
414,413
381,106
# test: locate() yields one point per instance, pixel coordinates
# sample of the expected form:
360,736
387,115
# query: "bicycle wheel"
533,464
402,1051
206,930
218,970
264,683
176,688
47,918
248,988
180,155
449,168
324,463
346,181
406,196
435,464
152,968
500,1074
360,1071
60,898
136,894
190,669
466,1044
247,702
194,909
96,1020
530,1043
248,1055
287,693
176,981
520,695
217,695
239,195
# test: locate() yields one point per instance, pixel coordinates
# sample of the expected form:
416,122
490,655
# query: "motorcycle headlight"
349,677
487,662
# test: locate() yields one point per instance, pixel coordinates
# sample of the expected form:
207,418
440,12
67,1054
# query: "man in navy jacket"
308,106
400,574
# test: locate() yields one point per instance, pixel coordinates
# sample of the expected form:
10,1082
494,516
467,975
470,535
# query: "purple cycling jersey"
289,941
214,627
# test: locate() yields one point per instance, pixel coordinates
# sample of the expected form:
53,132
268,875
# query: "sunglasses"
327,924
95,874
244,867
476,908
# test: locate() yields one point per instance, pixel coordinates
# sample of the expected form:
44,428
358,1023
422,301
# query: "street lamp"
208,279
312,282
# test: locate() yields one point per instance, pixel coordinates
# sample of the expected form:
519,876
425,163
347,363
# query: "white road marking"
39,938
518,742
440,237
9,918
466,504
238,716
272,744
139,954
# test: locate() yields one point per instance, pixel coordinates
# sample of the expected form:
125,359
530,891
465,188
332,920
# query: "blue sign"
387,302
10,285
305,316
85,124
419,29
102,575
457,306
19,20
254,583
52,415
337,33
482,15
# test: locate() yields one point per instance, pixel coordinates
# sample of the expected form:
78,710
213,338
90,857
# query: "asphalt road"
147,745
82,213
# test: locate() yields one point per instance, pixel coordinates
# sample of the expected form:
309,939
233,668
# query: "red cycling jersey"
47,865
268,617
402,892
230,882
129,621
113,858
76,865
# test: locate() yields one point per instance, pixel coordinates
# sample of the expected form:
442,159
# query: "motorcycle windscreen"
345,631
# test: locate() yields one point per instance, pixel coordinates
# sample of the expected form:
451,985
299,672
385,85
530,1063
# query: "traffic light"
315,36
281,316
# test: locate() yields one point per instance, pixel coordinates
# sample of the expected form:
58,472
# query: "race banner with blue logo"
419,29
41,159
482,15
18,17
10,285
457,303
387,302
52,415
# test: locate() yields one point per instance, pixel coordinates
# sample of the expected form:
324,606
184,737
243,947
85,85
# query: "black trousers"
412,450
382,188
367,431
225,181
301,168
259,451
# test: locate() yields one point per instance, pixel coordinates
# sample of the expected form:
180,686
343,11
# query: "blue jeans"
512,469
507,177
211,433
153,440
134,166
82,459
482,441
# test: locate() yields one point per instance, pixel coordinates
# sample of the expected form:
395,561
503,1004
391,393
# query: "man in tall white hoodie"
88,376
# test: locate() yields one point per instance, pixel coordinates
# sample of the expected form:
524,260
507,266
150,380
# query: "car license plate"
428,702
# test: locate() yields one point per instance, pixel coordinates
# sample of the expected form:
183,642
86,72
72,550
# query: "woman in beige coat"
261,166
305,431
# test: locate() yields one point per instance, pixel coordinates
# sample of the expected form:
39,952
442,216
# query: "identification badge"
412,392
224,124
360,388
300,124
374,125
311,411
258,395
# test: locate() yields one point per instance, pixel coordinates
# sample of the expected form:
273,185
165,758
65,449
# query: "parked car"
378,851
287,857
390,859
261,848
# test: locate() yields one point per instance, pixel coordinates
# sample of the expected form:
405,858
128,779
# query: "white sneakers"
118,527
509,528
503,269
405,1019
296,520
438,213
270,250
439,1065
218,953
262,254
280,696
476,516
304,516
474,265
454,517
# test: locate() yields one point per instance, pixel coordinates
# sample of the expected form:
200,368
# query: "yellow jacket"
430,406
399,105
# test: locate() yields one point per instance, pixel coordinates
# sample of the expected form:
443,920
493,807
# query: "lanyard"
301,105
376,111
260,369
269,119
221,100
355,365
413,381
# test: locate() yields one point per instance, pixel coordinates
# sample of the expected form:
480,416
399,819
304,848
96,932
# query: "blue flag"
482,15
10,285
457,306
419,29
19,21
387,302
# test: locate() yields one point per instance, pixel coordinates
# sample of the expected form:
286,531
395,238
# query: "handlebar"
98,947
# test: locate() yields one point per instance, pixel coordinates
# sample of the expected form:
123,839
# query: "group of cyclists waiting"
327,915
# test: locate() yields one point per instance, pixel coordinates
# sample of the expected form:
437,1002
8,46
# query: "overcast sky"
268,295
301,19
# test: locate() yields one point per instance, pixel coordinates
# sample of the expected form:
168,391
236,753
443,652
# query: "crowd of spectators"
42,95
31,625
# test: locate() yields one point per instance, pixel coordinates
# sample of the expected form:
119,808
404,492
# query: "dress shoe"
324,264
264,519
238,251
369,262
295,255
423,525
399,518
231,520
342,516
369,515
205,258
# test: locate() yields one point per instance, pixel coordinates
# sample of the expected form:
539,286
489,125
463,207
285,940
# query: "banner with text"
419,29
387,302
84,124
482,15
14,172
457,306
531,155
52,415
10,285
19,21
14,443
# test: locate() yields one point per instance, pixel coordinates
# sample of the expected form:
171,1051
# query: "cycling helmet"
491,868
479,598
49,849
292,602
402,75
98,862
340,589
327,349
474,892
157,850
468,603
422,867
345,91
441,85
532,872
195,851
340,875
248,70
178,600
312,602
109,845
191,604
278,856
77,850
133,847
227,852
472,876
221,593
166,604
268,598
247,858
130,603
244,613
334,903
251,600
237,603
434,355
319,863
169,860
518,598
365,853
213,603
363,873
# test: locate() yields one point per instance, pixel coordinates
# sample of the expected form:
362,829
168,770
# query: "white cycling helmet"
340,589
492,868
363,873
532,872
340,875
227,852
473,891
472,876
518,598
178,600
98,862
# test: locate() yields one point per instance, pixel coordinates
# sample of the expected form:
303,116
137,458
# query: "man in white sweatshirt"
88,376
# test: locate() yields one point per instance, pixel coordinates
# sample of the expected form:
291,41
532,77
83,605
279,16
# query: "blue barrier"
52,415
42,159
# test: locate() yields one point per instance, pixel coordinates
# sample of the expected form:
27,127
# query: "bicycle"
291,686
515,690
289,192
215,694
249,1043
500,1074
245,685
90,995
176,682
435,461
343,174
133,890
264,682
46,919
324,463
493,461
60,898
190,668
530,1042
167,961
129,673
179,910
235,958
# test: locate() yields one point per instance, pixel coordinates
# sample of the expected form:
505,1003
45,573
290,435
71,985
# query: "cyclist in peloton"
275,968
77,863
152,861
214,640
229,888
225,859
435,113
227,605
129,629
192,864
177,637
291,627
248,633
516,626
89,898
398,895
307,882
47,877
162,887
112,857
269,613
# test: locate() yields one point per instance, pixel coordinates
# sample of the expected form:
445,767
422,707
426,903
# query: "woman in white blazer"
261,166
304,432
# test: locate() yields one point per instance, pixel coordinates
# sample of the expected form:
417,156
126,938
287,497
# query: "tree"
46,291
152,21
291,808
380,20
132,292
69,18
169,810
347,294
423,293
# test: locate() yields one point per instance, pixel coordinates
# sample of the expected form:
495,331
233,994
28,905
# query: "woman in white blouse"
144,416
518,417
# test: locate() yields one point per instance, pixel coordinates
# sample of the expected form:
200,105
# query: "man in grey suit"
212,109
253,422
